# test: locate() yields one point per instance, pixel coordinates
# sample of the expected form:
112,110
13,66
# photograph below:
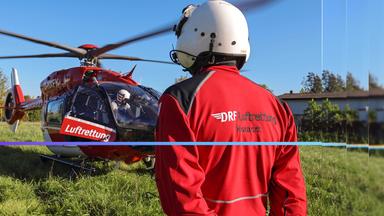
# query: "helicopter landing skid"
72,164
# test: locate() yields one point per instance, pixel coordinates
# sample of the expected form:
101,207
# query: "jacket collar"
227,68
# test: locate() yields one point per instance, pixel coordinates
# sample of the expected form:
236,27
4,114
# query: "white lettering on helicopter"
89,133
81,128
53,83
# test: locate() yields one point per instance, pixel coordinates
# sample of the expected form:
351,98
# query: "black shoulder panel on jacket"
184,91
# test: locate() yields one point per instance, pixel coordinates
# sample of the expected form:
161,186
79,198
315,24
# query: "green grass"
30,187
338,183
27,132
343,183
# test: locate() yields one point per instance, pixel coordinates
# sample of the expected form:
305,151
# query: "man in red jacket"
218,104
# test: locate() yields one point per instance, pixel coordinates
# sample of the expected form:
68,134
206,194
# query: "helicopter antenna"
131,72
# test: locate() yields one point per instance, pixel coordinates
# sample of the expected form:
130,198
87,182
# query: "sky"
289,38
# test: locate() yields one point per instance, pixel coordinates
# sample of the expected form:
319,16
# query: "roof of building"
333,95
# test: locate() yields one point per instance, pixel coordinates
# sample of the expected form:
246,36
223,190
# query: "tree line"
325,121
328,81
332,82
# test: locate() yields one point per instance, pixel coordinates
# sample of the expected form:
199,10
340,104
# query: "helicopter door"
89,117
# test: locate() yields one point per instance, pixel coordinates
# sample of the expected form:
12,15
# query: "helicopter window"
132,106
89,105
151,91
54,112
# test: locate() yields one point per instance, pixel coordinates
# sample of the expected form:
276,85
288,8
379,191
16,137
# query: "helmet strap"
211,44
211,59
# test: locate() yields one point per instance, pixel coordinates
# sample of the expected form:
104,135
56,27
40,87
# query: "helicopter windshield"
132,106
90,106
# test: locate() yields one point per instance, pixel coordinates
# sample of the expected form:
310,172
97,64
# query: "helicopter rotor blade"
78,51
245,6
109,47
129,58
48,55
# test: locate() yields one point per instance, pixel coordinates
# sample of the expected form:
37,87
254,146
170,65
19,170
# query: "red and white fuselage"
59,84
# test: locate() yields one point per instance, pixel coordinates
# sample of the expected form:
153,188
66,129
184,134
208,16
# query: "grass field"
27,132
338,183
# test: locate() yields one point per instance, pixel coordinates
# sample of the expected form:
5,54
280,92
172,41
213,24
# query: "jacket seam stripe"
197,89
237,199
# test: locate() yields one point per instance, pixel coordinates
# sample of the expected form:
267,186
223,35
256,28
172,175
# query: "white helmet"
122,96
214,27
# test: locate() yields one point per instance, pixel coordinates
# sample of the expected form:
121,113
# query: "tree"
332,82
331,116
312,84
3,91
372,116
351,84
311,119
350,116
374,83
266,87
326,122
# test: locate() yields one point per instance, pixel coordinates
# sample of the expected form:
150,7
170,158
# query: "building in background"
360,101
369,107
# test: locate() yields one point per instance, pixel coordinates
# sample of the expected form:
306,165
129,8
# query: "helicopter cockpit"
129,111
132,106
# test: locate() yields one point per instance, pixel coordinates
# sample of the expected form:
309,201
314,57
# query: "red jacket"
221,105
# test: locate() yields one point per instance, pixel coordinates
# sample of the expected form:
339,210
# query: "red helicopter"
89,103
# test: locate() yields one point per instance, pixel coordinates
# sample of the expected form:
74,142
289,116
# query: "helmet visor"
183,58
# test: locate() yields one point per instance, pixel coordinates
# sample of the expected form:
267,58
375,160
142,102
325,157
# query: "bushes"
327,123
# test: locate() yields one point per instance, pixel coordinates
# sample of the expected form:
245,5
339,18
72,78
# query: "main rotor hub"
88,60
88,47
